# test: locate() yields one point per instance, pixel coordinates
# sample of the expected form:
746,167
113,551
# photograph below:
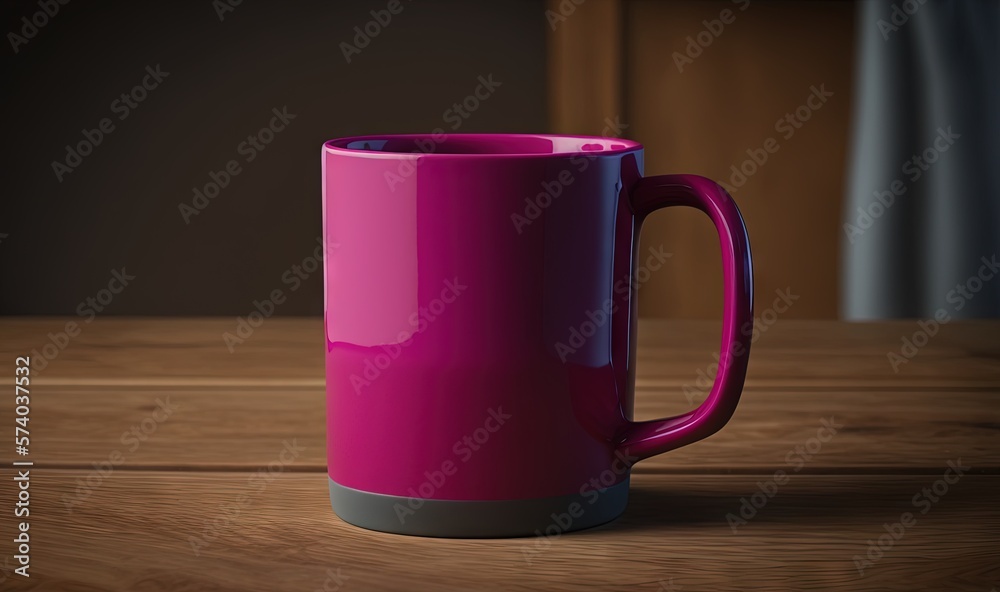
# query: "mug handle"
643,439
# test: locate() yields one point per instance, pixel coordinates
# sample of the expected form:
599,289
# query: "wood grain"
132,529
115,350
241,428
289,351
134,534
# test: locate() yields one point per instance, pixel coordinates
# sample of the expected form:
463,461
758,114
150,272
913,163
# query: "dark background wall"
60,240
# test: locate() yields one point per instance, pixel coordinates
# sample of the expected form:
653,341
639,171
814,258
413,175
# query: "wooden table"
195,476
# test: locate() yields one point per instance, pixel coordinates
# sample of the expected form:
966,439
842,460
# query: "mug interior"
473,144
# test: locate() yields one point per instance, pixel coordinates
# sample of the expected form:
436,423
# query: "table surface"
185,507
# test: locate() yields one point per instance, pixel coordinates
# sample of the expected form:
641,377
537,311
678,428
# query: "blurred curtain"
922,214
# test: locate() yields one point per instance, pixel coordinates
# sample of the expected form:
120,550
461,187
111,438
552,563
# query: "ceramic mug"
480,321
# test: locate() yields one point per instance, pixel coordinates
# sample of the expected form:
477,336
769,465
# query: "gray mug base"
547,516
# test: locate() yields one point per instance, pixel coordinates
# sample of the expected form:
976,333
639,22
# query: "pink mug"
480,321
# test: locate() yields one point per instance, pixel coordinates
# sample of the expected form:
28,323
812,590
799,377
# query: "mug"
480,320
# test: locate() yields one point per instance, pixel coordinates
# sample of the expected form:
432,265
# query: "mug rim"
562,146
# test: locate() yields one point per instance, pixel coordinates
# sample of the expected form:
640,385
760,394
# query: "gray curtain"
927,86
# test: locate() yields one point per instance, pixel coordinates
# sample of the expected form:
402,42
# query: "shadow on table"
809,499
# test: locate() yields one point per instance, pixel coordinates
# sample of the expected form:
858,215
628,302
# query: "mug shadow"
807,499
